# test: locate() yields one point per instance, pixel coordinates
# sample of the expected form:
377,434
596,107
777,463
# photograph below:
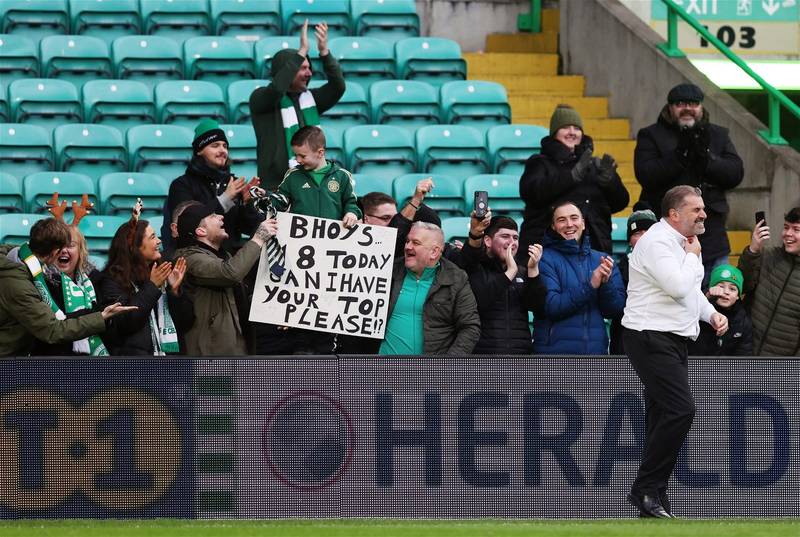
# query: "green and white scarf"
290,122
78,296
162,330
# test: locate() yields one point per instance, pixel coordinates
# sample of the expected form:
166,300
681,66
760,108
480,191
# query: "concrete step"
738,240
621,150
537,86
587,107
597,128
523,42
480,64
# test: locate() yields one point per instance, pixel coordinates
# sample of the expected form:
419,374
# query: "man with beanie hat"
209,181
684,148
214,281
565,170
286,104
724,293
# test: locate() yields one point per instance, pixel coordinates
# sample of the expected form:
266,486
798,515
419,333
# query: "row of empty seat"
108,19
165,150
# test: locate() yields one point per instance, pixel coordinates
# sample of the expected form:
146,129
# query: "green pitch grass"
398,528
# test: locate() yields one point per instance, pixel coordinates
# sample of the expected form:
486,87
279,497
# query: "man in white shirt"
664,307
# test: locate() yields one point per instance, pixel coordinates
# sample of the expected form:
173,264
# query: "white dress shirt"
664,285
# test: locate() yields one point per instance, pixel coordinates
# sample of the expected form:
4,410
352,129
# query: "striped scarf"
291,124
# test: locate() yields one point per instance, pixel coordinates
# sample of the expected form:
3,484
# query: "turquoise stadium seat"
351,110
107,19
90,149
11,200
431,59
334,12
406,103
15,228
99,230
383,150
239,99
455,150
619,235
186,102
371,183
118,103
18,57
476,103
242,150
510,146
221,60
251,19
266,48
164,150
503,194
118,193
156,221
25,149
34,18
5,110
147,58
334,146
76,58
390,21
39,187
446,198
455,228
44,101
176,20
364,60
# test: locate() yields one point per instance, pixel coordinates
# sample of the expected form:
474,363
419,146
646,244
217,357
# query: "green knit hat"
207,132
563,116
727,273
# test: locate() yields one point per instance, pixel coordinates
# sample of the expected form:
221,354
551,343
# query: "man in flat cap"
684,148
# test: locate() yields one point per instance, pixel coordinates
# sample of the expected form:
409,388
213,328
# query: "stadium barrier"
406,437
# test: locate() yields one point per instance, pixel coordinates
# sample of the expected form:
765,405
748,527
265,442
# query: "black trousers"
659,359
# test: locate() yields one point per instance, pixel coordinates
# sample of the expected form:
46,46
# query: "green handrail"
531,22
776,97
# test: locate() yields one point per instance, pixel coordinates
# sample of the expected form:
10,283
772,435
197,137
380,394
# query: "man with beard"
684,148
664,307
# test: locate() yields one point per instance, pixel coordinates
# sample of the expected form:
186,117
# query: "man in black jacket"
684,148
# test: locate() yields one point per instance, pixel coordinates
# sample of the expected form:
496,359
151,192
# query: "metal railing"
776,97
531,22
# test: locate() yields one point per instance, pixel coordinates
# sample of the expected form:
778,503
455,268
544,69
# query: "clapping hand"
321,31
602,273
160,273
175,277
534,256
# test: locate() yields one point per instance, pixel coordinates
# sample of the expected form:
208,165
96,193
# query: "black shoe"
648,506
664,499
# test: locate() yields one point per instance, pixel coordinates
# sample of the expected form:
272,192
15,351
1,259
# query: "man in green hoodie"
286,104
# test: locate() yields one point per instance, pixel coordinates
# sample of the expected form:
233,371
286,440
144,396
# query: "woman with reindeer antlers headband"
133,276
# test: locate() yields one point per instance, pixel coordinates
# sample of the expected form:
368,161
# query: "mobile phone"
761,216
481,204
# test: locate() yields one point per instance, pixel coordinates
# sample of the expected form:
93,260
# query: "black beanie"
207,132
190,219
685,93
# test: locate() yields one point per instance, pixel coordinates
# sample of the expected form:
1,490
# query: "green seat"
99,230
34,18
390,21
93,150
147,58
372,183
455,228
156,221
510,146
18,57
406,103
176,20
5,109
164,150
15,228
11,200
455,150
503,194
253,19
242,150
446,198
239,99
351,110
266,48
44,101
476,103
118,103
334,12
186,102
619,235
107,19
334,145
221,60
119,191
364,60
25,149
77,58
380,150
431,59
39,187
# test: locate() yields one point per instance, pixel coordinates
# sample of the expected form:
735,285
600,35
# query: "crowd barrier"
407,437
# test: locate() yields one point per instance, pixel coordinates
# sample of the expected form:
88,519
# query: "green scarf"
290,122
162,329
77,296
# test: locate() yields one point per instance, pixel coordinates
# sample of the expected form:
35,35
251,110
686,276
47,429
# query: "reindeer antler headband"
78,210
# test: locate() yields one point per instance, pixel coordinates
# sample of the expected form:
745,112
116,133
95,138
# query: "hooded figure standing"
280,109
